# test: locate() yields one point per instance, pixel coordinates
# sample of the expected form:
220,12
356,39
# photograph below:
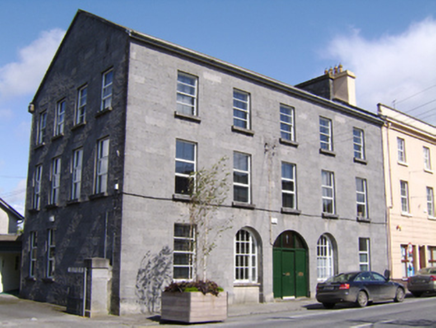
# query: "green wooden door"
300,273
288,273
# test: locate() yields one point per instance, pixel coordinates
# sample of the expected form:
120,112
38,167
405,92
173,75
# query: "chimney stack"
344,85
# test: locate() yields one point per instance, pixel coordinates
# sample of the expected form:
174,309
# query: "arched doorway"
290,265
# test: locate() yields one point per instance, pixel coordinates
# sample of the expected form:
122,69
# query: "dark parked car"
360,287
423,282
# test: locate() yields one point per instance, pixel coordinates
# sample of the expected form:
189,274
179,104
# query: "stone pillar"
98,293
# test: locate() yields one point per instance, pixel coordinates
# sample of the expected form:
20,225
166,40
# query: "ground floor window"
50,253
407,260
364,258
432,256
245,257
33,253
184,251
324,259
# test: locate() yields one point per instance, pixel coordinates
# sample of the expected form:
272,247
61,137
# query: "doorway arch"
290,265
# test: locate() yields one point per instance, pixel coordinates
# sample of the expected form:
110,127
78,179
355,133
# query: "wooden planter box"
193,307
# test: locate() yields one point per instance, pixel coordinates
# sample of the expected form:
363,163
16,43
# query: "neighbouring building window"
328,192
324,258
432,256
287,127
430,202
241,177
50,253
404,187
81,104
427,161
185,165
358,143
55,180
245,257
288,186
364,254
42,128
102,166
361,198
184,251
325,133
407,260
60,118
33,252
186,94
106,90
37,175
241,109
76,173
401,150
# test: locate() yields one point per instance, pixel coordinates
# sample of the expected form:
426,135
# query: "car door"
366,281
386,289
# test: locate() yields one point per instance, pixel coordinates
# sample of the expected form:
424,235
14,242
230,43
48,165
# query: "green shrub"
194,286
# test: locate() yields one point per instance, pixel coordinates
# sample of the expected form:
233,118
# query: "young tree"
208,191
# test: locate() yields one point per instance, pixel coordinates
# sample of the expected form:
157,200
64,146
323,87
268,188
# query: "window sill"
360,160
30,279
406,214
288,142
244,205
431,218
245,284
34,210
97,196
103,111
182,197
288,210
187,117
327,152
402,163
78,126
73,202
51,206
330,216
362,219
428,171
41,145
243,131
48,280
59,136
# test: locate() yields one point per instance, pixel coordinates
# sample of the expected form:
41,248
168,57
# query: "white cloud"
400,68
23,76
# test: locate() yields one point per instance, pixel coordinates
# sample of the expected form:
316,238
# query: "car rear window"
342,277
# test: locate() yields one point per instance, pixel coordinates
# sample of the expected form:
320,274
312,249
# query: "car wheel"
329,305
399,295
362,299
416,294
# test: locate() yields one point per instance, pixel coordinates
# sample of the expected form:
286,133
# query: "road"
413,312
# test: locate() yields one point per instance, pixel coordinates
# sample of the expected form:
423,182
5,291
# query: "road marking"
371,324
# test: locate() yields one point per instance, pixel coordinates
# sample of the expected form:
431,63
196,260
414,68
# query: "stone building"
409,148
121,119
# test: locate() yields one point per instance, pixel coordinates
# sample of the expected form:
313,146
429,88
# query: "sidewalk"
16,312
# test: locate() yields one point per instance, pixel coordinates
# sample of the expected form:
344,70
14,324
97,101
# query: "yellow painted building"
409,148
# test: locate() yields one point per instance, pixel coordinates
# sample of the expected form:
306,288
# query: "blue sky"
390,45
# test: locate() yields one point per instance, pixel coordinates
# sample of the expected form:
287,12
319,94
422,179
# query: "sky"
390,45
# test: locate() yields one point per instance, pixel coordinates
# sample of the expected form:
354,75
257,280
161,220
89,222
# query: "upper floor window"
364,255
55,180
76,173
404,188
241,177
328,192
325,133
401,150
33,253
82,95
427,161
245,257
42,128
60,118
184,251
50,253
358,143
187,94
288,186
430,202
185,165
102,166
241,109
37,176
287,127
361,198
106,90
